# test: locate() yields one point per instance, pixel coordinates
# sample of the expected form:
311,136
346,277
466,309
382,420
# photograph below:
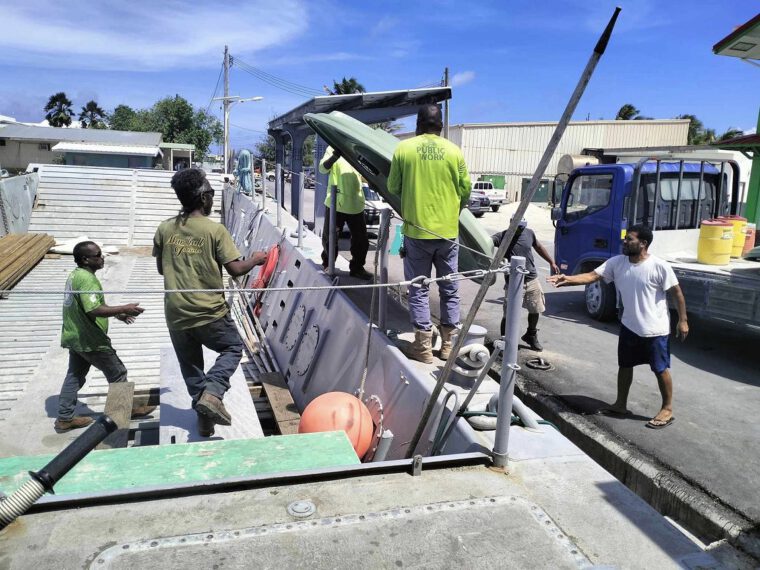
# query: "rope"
420,281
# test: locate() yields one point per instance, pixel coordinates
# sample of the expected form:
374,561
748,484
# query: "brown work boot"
205,426
422,347
76,422
213,408
141,411
446,333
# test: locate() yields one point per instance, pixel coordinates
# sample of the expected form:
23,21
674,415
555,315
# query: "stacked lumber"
19,253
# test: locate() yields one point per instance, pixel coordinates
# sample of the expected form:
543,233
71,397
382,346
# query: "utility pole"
226,104
446,105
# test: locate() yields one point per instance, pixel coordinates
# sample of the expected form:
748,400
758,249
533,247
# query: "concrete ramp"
115,206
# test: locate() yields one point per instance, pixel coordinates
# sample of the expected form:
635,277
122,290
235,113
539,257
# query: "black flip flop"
612,413
650,425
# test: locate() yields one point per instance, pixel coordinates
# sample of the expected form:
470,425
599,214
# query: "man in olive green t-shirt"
190,251
349,210
430,175
85,334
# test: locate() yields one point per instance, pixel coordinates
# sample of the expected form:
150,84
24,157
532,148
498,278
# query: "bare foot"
613,410
663,419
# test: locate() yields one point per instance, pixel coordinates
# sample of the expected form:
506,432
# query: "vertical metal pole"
226,105
509,365
278,192
382,245
655,214
263,184
698,213
720,188
300,209
446,105
331,243
678,194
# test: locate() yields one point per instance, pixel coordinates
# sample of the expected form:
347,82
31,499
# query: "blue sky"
510,60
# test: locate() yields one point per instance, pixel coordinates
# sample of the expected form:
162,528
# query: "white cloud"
462,77
142,35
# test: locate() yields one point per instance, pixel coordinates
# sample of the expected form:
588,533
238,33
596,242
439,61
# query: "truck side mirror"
556,214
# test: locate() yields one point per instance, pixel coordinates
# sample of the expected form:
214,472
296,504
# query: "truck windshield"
588,194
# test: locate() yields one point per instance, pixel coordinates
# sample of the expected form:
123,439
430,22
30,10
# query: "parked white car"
495,196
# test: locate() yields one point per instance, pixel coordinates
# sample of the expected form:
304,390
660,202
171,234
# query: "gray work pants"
421,256
106,361
220,336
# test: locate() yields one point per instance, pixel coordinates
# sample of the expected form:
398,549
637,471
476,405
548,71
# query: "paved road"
715,440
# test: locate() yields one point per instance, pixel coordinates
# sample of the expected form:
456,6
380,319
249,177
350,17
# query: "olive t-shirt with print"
192,251
81,332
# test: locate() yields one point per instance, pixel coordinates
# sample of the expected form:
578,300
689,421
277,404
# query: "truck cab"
598,204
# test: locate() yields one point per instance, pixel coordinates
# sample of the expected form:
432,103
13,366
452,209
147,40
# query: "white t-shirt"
642,287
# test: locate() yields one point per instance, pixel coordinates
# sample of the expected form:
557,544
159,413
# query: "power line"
275,81
211,99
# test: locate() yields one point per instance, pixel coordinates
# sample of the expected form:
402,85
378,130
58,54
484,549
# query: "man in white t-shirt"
642,281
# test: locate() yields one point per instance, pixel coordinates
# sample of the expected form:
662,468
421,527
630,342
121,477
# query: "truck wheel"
601,301
495,208
479,214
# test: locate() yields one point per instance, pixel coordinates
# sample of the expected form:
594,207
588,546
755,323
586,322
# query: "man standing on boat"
85,334
190,251
349,210
430,175
642,281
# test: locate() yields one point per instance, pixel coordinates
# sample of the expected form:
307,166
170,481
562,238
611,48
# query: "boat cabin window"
588,194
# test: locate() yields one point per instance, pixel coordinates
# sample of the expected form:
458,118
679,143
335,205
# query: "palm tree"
347,87
697,133
731,133
58,110
626,113
92,116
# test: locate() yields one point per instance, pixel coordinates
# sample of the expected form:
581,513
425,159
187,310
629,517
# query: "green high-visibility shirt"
430,175
81,332
192,251
349,183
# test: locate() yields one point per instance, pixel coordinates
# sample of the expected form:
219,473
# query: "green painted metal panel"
498,180
542,194
157,465
370,151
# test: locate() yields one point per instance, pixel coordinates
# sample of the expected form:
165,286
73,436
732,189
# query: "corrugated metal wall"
115,206
515,149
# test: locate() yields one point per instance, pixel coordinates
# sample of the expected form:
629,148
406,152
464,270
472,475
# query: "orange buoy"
335,411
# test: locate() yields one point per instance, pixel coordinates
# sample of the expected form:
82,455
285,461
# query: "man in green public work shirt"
85,334
190,251
430,175
349,210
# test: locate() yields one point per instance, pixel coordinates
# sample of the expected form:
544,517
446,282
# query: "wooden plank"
284,409
119,409
179,422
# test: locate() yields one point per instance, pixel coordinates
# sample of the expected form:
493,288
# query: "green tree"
346,87
92,116
176,120
730,134
697,134
626,113
58,110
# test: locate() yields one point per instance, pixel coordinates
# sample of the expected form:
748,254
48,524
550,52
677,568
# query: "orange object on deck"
335,411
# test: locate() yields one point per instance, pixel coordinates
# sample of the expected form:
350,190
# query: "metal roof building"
512,150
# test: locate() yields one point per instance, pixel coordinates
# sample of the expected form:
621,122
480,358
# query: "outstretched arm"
683,324
129,310
569,280
242,266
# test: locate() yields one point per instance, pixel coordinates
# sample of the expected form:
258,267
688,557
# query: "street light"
228,102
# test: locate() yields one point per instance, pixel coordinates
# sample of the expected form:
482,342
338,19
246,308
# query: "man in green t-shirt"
190,251
349,210
430,175
85,334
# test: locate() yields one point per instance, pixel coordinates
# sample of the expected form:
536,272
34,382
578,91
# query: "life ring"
264,276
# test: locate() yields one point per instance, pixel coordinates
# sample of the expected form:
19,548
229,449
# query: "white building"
513,150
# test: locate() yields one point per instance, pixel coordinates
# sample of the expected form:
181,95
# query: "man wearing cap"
523,244
190,250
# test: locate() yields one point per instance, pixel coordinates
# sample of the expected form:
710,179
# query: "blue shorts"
634,350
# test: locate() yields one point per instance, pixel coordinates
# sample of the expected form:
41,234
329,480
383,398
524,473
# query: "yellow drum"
716,240
739,225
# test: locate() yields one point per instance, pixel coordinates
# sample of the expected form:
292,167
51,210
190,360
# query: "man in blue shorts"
642,281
